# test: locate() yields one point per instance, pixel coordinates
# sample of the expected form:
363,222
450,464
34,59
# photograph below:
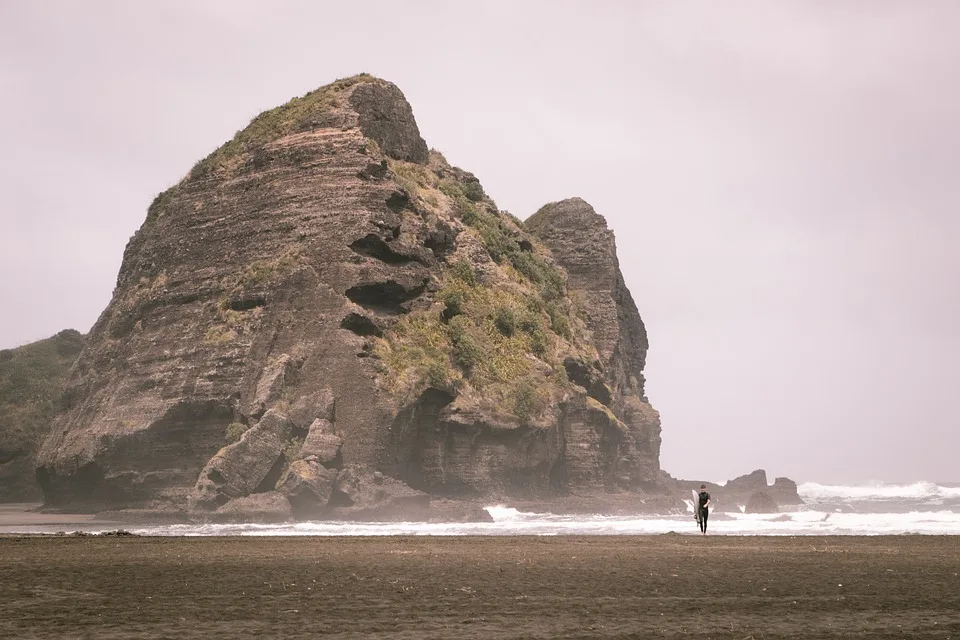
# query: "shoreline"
500,522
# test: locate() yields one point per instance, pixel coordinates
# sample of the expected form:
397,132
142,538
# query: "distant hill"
30,378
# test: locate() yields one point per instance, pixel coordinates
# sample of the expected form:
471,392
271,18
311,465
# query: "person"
704,508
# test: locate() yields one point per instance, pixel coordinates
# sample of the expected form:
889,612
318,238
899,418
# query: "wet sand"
27,514
491,587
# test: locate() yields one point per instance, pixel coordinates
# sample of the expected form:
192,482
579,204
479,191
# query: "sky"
782,179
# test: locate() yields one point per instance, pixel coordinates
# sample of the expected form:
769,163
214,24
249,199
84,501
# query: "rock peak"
575,213
377,107
385,116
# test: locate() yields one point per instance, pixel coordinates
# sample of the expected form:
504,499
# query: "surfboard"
696,506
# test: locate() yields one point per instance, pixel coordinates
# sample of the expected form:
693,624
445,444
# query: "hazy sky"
783,180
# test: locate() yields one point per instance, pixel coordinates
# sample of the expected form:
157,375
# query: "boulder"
361,495
311,407
322,443
761,502
308,486
245,466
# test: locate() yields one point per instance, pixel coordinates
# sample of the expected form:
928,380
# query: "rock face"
30,378
583,245
325,312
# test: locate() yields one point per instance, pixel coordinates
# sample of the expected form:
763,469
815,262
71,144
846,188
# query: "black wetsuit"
704,510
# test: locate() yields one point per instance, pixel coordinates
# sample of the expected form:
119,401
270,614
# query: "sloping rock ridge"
326,312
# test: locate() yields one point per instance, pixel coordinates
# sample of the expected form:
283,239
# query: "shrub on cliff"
492,319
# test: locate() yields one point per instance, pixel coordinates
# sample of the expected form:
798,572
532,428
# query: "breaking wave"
927,491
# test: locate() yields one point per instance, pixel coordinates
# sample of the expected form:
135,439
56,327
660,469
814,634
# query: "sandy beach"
490,587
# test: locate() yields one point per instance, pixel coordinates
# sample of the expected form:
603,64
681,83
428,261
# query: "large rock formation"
326,312
30,378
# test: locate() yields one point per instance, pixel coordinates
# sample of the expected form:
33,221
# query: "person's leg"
705,515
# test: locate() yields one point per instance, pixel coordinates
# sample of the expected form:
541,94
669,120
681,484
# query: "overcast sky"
782,179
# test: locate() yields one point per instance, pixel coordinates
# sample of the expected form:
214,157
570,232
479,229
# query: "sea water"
873,509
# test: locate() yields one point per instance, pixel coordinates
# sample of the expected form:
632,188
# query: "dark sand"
492,587
27,515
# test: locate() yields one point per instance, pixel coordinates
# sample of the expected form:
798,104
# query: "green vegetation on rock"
299,114
234,431
485,331
30,379
296,115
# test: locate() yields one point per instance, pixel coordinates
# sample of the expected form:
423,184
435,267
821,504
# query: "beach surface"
671,586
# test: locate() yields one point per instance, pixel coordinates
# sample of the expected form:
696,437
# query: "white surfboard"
696,505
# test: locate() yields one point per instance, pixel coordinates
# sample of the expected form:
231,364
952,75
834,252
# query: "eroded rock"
270,386
246,466
359,496
308,486
322,444
307,408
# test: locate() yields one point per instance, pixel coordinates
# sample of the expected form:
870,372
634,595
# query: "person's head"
703,487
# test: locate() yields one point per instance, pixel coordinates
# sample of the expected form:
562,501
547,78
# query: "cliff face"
583,245
30,378
328,314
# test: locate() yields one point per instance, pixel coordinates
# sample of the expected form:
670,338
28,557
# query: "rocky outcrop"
784,491
737,494
251,465
30,378
325,312
324,445
308,485
761,502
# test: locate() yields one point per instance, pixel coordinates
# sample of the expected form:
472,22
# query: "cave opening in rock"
387,297
373,246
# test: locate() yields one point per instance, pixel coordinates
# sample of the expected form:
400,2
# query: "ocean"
922,508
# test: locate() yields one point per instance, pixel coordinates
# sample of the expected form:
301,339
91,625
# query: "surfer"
703,508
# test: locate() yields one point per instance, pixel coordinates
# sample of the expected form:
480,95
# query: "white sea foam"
508,521
877,509
815,492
